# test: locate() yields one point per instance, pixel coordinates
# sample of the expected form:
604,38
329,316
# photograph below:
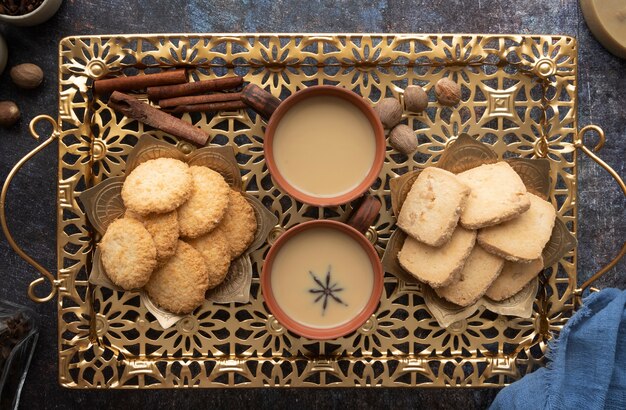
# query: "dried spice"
415,98
140,111
259,100
163,92
403,139
448,92
389,111
27,75
139,82
18,7
325,291
9,113
13,330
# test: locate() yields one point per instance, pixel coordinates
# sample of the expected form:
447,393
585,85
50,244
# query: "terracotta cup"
352,98
359,222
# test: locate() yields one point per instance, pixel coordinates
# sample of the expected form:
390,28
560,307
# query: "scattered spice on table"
13,330
18,7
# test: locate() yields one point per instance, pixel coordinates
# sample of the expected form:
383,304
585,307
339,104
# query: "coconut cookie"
216,253
207,204
129,254
180,284
239,224
159,185
164,231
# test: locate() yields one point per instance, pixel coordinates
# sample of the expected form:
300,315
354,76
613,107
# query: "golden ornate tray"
519,95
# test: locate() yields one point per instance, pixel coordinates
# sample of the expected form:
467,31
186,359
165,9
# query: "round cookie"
128,253
159,185
164,231
208,202
239,224
180,284
216,252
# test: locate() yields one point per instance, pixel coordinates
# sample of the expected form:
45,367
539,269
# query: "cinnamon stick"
199,99
137,82
208,107
259,100
365,213
138,110
198,87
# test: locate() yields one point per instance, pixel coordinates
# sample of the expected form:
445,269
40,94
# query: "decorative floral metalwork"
520,106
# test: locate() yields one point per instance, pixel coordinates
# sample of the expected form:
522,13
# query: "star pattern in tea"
326,291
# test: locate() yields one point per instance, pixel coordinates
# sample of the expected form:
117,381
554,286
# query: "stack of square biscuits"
474,233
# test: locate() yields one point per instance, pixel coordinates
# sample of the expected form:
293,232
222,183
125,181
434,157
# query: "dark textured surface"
31,205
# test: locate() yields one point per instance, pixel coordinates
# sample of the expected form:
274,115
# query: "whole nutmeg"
448,92
389,111
9,113
27,75
415,98
403,139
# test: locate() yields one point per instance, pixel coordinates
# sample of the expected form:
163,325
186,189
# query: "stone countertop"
31,204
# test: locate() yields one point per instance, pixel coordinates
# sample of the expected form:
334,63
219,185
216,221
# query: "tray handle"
579,143
3,219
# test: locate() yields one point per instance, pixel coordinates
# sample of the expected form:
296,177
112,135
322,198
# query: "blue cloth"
586,365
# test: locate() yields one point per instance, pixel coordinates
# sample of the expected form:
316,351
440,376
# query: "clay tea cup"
323,279
324,145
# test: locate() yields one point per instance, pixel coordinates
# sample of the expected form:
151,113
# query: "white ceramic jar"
37,16
3,54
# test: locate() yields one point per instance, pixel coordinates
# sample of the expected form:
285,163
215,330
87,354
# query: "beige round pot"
3,54
37,16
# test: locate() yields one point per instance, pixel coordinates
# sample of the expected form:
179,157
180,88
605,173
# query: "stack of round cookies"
182,228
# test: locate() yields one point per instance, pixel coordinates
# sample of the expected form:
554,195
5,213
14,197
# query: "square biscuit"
513,278
521,239
479,272
432,207
437,266
498,194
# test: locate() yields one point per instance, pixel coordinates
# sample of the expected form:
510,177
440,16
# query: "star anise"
326,291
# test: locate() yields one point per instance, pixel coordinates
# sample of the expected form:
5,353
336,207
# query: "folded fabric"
586,365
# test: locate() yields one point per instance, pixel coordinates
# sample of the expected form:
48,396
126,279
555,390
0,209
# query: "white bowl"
37,16
3,54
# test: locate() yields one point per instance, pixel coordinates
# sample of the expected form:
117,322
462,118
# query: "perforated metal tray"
519,96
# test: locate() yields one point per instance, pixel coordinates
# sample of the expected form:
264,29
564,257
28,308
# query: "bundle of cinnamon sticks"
173,93
190,97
